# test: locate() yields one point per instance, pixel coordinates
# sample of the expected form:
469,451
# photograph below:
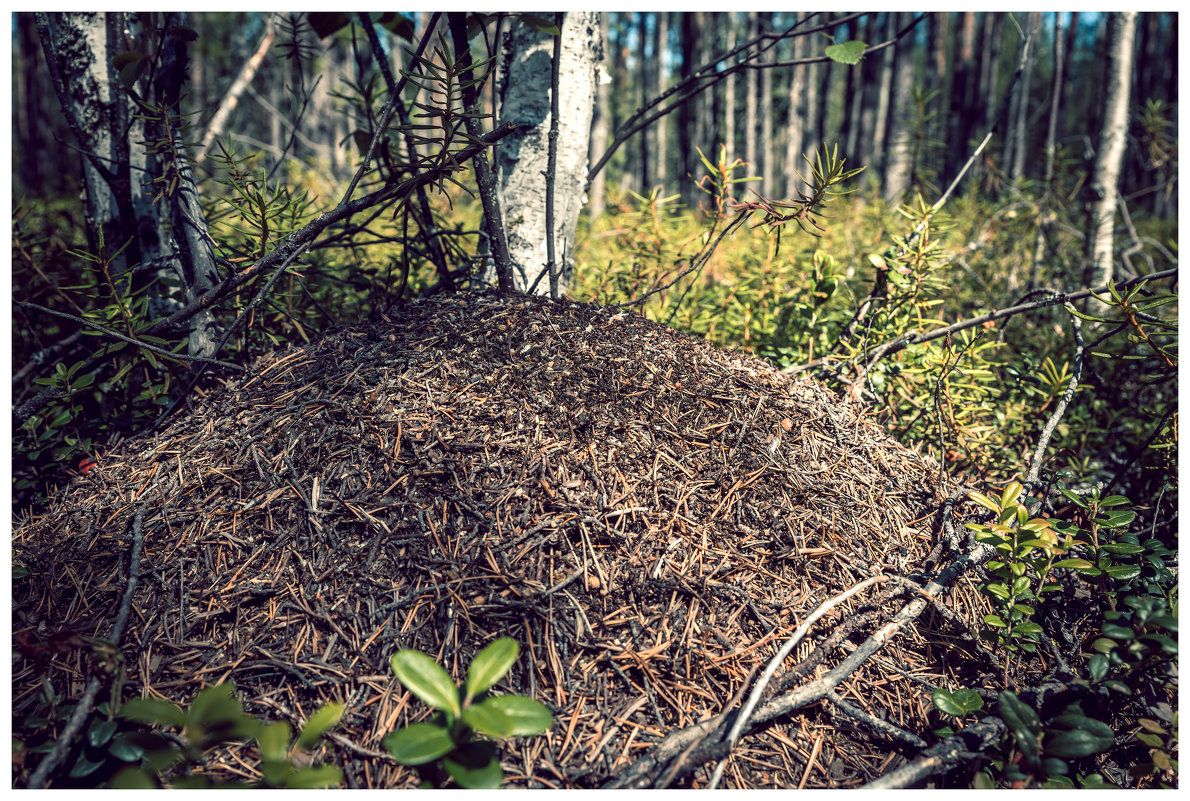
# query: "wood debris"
648,516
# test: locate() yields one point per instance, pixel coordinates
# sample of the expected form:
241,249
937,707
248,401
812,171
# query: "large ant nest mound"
648,516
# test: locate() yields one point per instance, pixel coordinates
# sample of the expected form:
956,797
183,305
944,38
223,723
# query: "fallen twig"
79,717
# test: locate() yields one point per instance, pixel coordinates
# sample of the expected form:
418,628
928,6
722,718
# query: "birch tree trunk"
521,156
1102,191
601,118
661,46
78,51
766,113
140,195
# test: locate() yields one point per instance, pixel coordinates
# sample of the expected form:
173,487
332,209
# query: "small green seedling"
447,747
216,716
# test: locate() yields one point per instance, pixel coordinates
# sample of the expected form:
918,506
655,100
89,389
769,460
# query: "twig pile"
651,518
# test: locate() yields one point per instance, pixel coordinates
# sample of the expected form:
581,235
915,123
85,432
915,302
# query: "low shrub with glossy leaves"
450,748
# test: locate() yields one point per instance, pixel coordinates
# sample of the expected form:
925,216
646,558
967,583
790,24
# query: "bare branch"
131,340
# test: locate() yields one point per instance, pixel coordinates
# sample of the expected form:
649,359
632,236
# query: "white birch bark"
1103,189
521,157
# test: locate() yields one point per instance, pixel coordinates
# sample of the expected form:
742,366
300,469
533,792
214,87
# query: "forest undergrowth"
1082,593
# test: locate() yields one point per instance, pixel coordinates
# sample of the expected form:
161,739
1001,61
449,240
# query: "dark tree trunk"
645,166
729,103
660,47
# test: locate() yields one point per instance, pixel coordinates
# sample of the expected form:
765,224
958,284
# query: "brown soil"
648,516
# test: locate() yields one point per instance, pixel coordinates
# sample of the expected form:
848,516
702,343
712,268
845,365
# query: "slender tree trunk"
943,82
985,99
884,97
750,97
599,122
1102,191
966,80
729,94
622,99
1051,149
1019,138
897,176
645,166
795,124
867,111
521,157
247,73
817,81
661,47
766,113
855,96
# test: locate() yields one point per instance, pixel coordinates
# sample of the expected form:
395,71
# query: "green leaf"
325,23
1073,497
490,665
1151,740
1117,518
1123,572
152,710
1097,667
423,677
324,719
969,700
846,52
398,24
125,749
488,720
315,777
995,621
84,767
1076,564
1091,739
1104,645
1151,725
984,501
1010,494
539,23
528,716
1023,722
129,66
274,741
131,778
475,766
419,743
1113,500
1122,548
100,731
1054,768
958,703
